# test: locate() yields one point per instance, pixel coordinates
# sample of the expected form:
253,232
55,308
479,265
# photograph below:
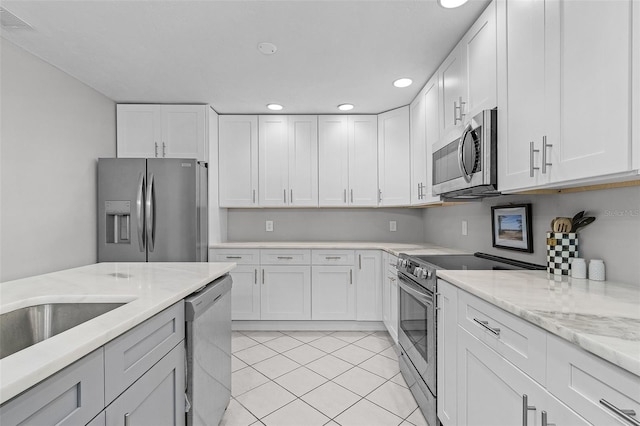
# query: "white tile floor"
309,378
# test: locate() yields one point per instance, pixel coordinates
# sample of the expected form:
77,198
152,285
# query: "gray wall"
325,225
614,236
53,129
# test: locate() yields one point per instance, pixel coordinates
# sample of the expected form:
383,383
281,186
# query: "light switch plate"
393,227
464,227
269,226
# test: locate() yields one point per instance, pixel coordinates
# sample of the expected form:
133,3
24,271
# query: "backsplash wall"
613,237
325,225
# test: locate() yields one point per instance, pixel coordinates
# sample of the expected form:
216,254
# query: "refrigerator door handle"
139,212
149,214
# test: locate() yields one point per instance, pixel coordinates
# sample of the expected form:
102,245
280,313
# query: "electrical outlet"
464,227
269,226
393,226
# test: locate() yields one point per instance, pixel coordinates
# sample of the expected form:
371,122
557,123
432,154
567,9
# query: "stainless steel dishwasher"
208,329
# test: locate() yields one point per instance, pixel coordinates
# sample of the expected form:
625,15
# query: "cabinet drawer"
72,396
392,264
518,341
333,257
239,256
581,380
129,356
285,257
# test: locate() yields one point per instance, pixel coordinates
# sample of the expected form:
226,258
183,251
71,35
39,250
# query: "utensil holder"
560,248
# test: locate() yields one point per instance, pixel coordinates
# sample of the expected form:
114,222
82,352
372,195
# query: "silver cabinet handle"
234,257
544,420
485,324
531,151
291,196
379,195
149,213
462,104
284,192
285,257
392,279
263,277
350,276
127,420
525,409
156,150
164,150
545,145
332,257
359,261
254,196
455,113
255,276
139,212
625,414
344,196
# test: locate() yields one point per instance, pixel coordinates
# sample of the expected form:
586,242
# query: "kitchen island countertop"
601,317
146,288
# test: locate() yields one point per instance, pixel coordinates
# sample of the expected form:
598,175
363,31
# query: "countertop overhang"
601,317
148,288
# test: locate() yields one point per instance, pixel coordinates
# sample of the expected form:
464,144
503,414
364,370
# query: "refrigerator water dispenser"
118,222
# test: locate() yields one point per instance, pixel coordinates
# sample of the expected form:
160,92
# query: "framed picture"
511,226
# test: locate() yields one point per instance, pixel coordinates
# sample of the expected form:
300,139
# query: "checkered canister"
560,248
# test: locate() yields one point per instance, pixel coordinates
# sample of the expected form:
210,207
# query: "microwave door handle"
463,170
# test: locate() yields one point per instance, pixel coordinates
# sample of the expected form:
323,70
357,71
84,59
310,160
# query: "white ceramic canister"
578,267
596,270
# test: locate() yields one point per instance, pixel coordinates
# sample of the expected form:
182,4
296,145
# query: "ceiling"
181,51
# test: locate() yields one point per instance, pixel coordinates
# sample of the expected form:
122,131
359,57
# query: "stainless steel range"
417,317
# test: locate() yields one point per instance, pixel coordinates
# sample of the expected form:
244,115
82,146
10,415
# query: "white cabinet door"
394,319
139,131
333,160
245,294
303,160
333,293
368,276
447,348
521,93
273,145
363,160
418,149
479,44
590,61
183,132
394,170
432,134
452,91
238,162
286,293
491,391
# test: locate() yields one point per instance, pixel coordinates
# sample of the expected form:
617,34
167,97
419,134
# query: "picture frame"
511,227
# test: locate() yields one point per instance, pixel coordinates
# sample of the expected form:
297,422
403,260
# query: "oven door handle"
421,296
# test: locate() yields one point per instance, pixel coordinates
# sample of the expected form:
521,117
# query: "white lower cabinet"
390,298
447,332
368,278
333,293
245,300
285,293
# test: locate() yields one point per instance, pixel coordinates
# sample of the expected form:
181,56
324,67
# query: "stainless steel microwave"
466,167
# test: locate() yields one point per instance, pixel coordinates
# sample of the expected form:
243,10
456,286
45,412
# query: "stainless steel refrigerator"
152,210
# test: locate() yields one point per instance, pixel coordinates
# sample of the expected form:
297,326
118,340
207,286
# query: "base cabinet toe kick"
523,375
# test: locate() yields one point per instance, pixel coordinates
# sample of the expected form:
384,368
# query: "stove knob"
417,272
404,263
399,263
428,274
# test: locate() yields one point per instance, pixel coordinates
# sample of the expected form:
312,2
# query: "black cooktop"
477,261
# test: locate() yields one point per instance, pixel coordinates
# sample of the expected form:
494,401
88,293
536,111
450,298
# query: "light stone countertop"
393,248
147,287
602,317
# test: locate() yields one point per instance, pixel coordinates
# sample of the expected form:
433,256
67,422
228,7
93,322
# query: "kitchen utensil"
553,221
582,223
577,217
562,224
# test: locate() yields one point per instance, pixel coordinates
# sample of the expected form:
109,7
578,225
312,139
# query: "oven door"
417,331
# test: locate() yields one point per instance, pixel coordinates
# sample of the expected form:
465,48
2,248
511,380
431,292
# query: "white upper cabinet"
238,161
394,170
288,158
162,131
348,158
452,90
564,91
425,131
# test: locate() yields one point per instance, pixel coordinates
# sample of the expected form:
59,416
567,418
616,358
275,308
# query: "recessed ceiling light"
345,107
450,4
403,82
274,107
267,48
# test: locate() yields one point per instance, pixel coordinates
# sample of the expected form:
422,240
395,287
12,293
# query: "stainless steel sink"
24,327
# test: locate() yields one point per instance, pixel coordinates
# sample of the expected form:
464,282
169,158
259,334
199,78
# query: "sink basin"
24,327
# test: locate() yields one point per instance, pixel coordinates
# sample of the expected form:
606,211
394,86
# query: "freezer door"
171,210
121,194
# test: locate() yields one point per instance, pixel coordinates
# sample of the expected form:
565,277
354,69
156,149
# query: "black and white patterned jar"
560,248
